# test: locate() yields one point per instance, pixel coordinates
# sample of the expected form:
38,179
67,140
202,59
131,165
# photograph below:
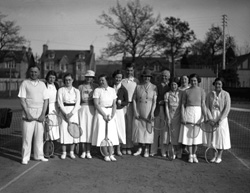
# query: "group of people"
121,105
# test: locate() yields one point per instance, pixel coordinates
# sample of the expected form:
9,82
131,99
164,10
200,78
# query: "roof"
200,72
18,55
71,54
239,60
107,69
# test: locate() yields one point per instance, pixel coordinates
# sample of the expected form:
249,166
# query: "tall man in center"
130,83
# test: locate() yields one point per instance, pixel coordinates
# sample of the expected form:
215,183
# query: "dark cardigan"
122,95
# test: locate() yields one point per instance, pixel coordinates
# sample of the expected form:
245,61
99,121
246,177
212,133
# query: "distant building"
242,65
15,62
62,61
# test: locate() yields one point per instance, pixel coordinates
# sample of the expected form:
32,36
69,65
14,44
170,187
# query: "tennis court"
129,173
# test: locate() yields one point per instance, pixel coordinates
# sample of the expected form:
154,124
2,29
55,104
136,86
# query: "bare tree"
132,25
9,34
171,35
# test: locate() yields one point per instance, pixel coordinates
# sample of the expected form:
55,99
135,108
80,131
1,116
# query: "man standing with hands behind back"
130,83
34,101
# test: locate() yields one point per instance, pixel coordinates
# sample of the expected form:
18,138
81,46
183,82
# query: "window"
49,65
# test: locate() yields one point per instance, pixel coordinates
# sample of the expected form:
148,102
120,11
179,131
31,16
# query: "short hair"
117,72
219,79
174,79
33,66
194,75
183,76
66,75
51,73
103,75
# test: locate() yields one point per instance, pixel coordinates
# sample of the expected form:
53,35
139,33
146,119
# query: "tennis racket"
194,132
211,151
157,124
53,120
170,145
106,146
48,145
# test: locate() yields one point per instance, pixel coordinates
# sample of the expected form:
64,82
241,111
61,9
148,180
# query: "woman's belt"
69,104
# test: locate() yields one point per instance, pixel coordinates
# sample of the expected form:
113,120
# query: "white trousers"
31,129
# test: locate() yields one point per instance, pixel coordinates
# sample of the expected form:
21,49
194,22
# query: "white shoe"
88,156
63,156
72,155
83,155
218,160
112,158
146,153
107,159
213,160
24,162
138,152
190,159
195,159
42,159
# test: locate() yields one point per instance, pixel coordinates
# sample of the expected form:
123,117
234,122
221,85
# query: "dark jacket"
122,95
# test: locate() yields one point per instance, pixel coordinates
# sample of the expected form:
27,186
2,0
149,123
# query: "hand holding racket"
106,146
195,128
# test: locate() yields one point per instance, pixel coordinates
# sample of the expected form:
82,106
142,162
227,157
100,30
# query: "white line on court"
19,176
245,164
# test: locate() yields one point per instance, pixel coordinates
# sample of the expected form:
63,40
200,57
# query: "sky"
71,24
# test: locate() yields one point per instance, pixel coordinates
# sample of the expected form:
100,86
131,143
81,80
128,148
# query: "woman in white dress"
218,106
173,100
54,132
194,111
68,99
86,112
121,102
105,104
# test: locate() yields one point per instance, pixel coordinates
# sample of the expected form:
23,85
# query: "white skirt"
121,129
193,115
54,132
86,120
221,137
65,137
99,128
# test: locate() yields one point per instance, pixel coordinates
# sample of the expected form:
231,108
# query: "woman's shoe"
72,155
129,152
124,152
83,155
63,156
112,158
146,153
107,159
88,155
218,160
119,153
213,160
190,159
138,152
195,160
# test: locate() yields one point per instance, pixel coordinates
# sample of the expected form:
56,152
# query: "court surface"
129,174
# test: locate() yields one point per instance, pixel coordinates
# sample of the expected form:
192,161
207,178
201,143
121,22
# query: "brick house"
16,62
62,61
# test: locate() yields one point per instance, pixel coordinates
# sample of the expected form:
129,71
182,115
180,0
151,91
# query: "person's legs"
219,157
190,149
139,150
88,147
28,131
38,141
71,153
195,147
64,153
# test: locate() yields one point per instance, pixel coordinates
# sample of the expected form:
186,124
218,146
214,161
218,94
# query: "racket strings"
74,130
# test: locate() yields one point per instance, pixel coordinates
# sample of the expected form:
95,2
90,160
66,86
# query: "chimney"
91,49
45,48
23,49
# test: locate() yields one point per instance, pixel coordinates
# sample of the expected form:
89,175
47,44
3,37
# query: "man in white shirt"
34,101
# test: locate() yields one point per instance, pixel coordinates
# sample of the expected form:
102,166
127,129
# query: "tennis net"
239,125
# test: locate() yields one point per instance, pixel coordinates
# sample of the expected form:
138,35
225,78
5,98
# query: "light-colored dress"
173,101
66,97
87,111
218,107
192,100
54,132
106,97
144,98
